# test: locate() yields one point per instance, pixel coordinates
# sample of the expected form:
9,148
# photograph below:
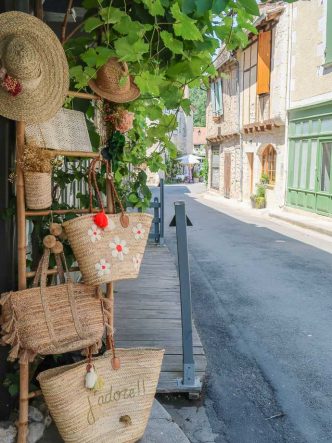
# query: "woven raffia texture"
113,253
38,190
61,318
66,131
118,412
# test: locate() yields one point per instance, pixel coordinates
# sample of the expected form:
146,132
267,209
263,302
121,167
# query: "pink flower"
125,122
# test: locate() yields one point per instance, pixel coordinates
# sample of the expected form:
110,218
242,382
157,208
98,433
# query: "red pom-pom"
101,219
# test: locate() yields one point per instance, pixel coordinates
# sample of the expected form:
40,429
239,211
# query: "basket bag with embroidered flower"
108,247
52,319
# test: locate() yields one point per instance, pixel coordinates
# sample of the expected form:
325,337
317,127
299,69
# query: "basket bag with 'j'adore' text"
108,247
52,319
92,402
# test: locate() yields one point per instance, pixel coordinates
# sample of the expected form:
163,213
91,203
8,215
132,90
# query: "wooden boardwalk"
148,313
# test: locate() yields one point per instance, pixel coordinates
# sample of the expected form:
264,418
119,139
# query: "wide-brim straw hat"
32,55
114,83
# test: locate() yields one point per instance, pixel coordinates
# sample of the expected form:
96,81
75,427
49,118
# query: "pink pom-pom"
101,219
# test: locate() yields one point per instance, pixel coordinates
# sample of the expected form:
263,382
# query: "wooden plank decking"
148,313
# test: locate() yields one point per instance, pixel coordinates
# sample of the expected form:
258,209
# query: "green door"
324,178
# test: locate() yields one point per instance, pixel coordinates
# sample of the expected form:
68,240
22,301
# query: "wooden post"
22,283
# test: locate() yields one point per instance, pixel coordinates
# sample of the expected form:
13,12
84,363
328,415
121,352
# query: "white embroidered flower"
94,233
119,248
103,267
137,261
138,231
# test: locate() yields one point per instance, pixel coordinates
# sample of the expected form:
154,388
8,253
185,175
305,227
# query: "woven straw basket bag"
38,189
54,319
111,253
118,412
66,131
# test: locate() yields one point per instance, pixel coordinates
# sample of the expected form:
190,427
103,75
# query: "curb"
302,224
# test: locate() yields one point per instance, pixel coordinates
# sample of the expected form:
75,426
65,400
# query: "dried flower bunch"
118,118
36,159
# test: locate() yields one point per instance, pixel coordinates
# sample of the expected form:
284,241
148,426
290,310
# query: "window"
264,62
216,97
328,48
269,161
215,168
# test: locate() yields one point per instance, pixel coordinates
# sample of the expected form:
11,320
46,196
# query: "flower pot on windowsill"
216,118
38,189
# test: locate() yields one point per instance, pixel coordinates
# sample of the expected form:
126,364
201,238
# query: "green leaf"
188,6
149,83
90,57
203,6
133,198
219,6
185,26
130,52
89,4
127,26
186,106
92,23
111,15
250,6
176,46
13,390
155,7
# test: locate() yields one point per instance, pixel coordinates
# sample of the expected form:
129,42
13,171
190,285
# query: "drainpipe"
287,104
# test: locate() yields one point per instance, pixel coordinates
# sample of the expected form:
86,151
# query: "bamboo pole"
21,243
109,286
80,154
35,394
46,212
52,271
83,95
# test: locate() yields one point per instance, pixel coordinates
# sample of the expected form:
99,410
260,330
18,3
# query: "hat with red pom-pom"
34,77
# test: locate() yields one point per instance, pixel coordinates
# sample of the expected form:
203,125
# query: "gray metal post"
156,220
162,213
189,379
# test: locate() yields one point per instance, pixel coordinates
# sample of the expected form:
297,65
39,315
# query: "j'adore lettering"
99,401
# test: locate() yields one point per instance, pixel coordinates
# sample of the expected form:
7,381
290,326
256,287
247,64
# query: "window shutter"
213,102
221,107
328,49
217,92
264,62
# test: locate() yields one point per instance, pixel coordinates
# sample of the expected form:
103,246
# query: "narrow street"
262,304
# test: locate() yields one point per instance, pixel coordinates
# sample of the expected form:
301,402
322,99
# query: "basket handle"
92,181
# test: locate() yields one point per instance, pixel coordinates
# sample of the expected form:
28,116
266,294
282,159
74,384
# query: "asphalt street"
262,303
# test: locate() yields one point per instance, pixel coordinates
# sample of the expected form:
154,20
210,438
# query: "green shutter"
328,49
221,108
213,100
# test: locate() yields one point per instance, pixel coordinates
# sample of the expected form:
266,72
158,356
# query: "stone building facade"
222,129
247,138
263,70
309,184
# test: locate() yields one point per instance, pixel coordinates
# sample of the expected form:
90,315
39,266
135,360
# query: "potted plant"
258,200
195,177
36,163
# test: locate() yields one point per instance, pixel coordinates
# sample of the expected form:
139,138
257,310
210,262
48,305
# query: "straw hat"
114,83
34,76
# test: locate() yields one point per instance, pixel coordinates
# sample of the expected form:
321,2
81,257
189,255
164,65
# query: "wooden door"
227,175
251,171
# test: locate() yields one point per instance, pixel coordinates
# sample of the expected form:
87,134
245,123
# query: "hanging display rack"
23,274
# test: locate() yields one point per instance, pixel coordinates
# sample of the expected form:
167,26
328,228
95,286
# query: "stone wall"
311,82
229,122
256,142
